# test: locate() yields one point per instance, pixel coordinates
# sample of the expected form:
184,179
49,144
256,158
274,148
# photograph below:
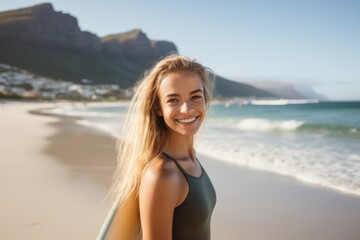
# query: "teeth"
187,120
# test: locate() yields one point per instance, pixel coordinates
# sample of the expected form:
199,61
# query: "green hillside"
72,64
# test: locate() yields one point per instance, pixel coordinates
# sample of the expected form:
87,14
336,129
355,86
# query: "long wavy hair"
145,134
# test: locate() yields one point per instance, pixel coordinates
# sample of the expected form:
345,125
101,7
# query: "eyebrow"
176,94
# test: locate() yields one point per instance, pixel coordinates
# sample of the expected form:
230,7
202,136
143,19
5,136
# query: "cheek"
201,105
168,112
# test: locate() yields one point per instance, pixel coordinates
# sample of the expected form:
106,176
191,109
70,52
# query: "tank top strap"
176,163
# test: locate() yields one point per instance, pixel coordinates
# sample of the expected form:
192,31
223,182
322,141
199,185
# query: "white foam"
111,128
108,122
257,124
306,158
283,101
353,130
77,112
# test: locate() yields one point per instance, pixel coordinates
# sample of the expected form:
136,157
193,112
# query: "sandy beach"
54,176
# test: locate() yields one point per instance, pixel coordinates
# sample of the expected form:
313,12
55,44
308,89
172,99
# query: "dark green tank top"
192,217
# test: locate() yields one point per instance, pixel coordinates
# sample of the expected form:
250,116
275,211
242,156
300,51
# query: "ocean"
318,143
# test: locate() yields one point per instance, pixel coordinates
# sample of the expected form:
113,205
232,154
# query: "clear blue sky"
315,42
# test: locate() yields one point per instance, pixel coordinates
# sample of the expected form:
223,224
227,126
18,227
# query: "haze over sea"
318,143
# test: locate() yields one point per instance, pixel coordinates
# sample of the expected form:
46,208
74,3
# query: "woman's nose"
186,107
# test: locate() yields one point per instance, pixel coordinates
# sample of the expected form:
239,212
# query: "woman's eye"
196,97
172,100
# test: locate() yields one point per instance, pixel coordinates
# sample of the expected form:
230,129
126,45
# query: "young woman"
162,191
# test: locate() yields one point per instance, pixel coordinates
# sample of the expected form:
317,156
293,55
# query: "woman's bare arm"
158,196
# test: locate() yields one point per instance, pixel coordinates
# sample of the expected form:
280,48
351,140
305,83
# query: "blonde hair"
145,134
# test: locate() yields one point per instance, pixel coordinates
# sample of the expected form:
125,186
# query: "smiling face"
182,102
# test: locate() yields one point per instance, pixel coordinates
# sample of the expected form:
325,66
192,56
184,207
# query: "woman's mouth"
187,120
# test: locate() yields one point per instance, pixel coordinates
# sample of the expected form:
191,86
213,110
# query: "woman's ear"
159,113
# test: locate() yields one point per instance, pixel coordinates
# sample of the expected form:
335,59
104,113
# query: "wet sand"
54,176
49,184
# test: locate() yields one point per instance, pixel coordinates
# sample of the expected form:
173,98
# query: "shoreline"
306,178
254,204
62,167
44,198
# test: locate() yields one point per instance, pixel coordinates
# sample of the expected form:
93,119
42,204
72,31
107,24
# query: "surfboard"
122,221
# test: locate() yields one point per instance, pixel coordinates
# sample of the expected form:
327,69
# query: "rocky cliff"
135,42
50,43
42,25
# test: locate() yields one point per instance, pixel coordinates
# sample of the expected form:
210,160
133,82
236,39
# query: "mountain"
283,90
288,90
309,92
50,43
135,42
228,88
40,24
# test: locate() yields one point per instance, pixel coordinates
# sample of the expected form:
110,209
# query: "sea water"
318,143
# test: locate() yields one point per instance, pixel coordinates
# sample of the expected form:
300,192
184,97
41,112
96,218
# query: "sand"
42,198
54,176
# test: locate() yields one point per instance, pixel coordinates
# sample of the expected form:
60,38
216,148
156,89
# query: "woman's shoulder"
160,181
160,169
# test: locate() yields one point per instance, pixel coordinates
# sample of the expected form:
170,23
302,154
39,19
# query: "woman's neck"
181,147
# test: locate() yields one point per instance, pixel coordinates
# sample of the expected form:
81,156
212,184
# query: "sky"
308,42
